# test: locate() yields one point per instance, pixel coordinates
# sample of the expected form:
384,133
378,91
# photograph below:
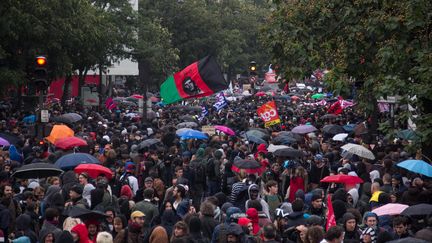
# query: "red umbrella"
137,96
94,170
69,142
340,178
261,93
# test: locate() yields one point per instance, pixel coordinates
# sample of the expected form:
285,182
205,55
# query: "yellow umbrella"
60,131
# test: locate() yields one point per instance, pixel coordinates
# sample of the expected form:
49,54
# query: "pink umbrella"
261,93
137,96
390,209
225,129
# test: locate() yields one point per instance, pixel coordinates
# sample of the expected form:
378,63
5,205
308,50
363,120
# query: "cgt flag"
331,221
269,114
201,78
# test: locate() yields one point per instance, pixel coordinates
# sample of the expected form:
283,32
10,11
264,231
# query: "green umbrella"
407,134
318,96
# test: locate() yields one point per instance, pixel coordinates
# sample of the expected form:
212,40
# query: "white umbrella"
340,137
358,150
272,148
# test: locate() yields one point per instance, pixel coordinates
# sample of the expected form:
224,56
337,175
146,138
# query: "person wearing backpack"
128,178
213,173
197,166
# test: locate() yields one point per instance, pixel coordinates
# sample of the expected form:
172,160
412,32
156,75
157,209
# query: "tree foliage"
384,46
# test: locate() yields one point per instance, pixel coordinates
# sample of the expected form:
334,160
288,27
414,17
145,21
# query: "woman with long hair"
298,181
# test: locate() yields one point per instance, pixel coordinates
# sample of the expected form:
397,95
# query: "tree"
384,46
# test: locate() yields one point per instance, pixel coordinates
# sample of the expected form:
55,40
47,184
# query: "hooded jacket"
82,232
350,236
221,229
355,195
252,214
264,204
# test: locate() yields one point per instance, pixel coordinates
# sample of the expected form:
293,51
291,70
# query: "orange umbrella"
60,131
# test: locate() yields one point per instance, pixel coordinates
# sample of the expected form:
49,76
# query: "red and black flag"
199,79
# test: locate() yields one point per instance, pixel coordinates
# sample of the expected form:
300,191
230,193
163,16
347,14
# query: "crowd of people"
189,190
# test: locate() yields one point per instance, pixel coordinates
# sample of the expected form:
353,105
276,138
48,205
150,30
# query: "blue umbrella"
189,134
29,119
349,127
417,166
70,161
257,140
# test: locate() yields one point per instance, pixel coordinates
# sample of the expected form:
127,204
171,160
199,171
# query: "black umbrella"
257,140
284,140
333,129
37,170
329,116
288,152
148,143
246,163
297,137
418,210
84,214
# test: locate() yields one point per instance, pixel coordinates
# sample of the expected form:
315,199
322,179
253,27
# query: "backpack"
210,168
198,169
124,180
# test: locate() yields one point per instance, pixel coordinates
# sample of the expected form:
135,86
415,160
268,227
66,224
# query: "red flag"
331,221
268,112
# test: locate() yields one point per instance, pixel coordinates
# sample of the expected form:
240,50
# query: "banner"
269,114
331,221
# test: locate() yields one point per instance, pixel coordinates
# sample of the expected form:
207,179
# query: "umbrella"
69,142
4,142
408,240
71,117
329,116
340,137
284,140
288,152
417,166
60,131
128,103
418,210
148,143
358,150
132,115
94,170
70,161
11,138
333,129
260,94
251,166
186,125
390,209
137,96
225,130
318,96
349,127
298,137
29,119
259,129
188,118
303,129
256,140
84,213
407,134
340,178
181,130
154,99
189,134
37,170
271,148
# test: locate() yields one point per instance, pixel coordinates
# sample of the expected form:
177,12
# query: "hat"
77,188
148,179
262,148
234,229
318,157
106,138
315,196
137,214
243,221
129,166
186,154
314,220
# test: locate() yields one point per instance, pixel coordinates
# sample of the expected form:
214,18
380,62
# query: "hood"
126,191
82,232
252,214
340,194
23,222
52,190
367,189
69,177
374,175
199,154
355,195
230,211
253,187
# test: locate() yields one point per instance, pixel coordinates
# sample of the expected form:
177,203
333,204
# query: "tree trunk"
66,90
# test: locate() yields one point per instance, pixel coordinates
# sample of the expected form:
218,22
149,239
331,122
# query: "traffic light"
40,73
253,68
